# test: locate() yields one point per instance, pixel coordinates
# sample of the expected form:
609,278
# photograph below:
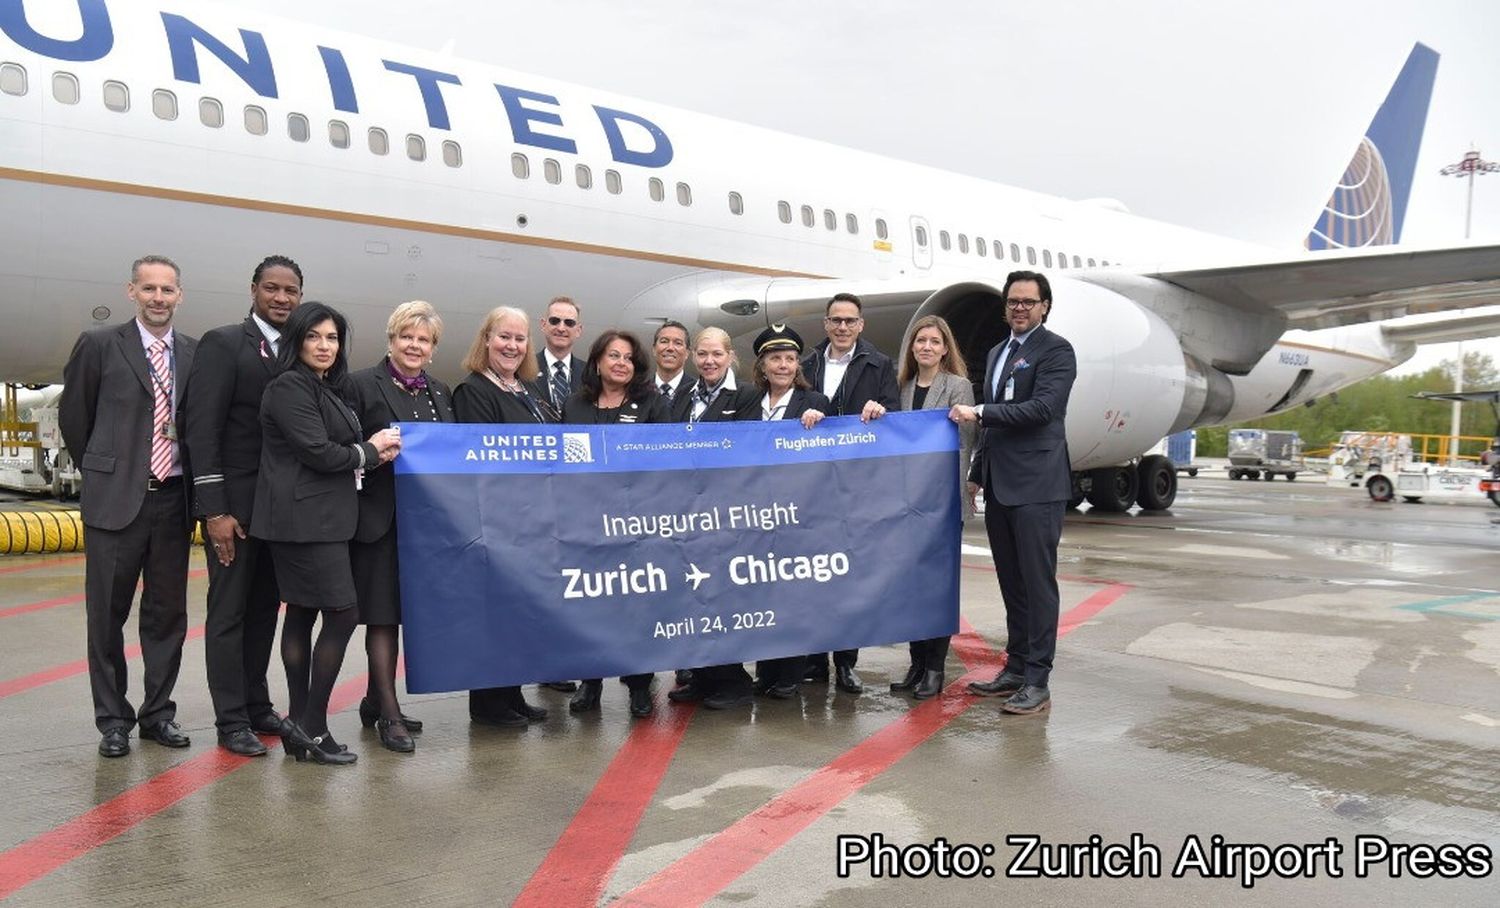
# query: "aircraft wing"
1324,290
1445,330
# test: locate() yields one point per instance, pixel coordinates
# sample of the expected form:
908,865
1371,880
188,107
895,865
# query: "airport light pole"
1471,166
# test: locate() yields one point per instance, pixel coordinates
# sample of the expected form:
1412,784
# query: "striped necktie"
1000,364
559,385
161,412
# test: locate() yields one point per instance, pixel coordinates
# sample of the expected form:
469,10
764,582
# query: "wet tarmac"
1277,664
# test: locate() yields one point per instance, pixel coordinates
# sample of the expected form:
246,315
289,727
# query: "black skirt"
377,580
314,574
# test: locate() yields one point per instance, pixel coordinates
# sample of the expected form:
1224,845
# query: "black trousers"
731,679
780,671
154,546
841,658
634,682
929,654
243,603
1023,542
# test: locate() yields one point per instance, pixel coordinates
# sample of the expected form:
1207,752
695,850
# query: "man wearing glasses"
561,370
857,379
1023,468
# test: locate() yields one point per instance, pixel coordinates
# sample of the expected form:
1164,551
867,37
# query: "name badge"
169,430
1010,388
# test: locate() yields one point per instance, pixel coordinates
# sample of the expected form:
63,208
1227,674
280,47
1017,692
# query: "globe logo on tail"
1359,212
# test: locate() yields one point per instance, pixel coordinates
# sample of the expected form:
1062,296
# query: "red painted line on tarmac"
707,870
38,565
66,600
36,857
584,857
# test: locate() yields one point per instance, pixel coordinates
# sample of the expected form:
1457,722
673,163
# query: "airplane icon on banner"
695,576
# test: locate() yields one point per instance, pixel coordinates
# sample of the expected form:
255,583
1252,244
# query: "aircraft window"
211,113
1047,258
981,247
1091,263
921,236
117,96
945,240
851,223
1104,262
612,181
784,211
880,232
416,148
380,143
963,243
255,121
551,171
736,203
830,220
298,128
65,88
338,134
584,176
1062,259
1030,255
684,194
520,167
453,155
1077,263
807,216
164,104
12,79
999,250
1015,253
657,190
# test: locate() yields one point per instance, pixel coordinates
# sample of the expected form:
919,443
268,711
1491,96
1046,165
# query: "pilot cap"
777,337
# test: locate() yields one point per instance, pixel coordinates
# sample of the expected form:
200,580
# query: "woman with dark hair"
616,388
306,509
933,376
499,389
396,389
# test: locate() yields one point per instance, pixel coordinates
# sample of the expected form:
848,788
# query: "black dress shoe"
728,700
913,675
930,686
684,676
519,704
501,717
1003,685
1028,701
847,681
243,741
167,734
784,690
115,743
587,698
688,693
815,673
395,736
641,703
329,752
566,687
268,724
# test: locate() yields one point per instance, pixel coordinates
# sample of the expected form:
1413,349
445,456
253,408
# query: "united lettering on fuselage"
536,118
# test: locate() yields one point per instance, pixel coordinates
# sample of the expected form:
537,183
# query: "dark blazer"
544,374
105,415
477,399
1023,447
222,416
310,449
870,376
580,411
729,406
802,401
681,403
375,397
946,391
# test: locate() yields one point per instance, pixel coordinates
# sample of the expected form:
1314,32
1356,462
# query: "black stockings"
382,644
312,670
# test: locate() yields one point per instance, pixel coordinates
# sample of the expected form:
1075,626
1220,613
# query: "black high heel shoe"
369,712
587,698
402,743
329,752
296,742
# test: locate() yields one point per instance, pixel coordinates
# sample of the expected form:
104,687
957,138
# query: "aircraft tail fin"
1368,204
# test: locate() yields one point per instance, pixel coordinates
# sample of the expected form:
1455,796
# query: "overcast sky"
1233,119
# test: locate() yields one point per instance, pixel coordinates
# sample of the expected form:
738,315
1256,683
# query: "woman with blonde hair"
933,376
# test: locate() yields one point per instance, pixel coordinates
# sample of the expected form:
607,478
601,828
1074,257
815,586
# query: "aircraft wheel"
1113,489
1380,489
1157,481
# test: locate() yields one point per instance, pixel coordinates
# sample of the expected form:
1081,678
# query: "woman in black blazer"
617,388
786,394
306,509
716,397
396,389
499,389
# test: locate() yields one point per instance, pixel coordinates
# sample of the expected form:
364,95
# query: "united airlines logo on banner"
536,552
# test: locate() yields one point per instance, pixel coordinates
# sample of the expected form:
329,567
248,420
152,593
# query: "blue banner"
533,553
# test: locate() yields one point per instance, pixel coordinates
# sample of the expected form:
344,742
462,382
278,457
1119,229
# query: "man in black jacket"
857,379
223,437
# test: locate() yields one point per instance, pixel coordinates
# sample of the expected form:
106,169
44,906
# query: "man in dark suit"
561,371
857,379
122,387
1023,467
222,414
669,347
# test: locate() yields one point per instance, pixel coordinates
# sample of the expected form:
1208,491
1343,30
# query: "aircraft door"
921,242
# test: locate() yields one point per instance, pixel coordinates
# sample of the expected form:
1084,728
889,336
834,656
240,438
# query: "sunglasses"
557,320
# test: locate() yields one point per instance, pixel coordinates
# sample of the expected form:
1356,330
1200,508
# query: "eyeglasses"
843,322
554,321
1022,304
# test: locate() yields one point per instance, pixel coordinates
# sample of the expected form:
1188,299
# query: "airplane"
219,135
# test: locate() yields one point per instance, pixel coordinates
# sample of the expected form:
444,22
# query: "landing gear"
1156,483
1113,489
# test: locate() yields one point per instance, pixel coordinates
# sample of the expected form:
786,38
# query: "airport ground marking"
38,856
69,669
1441,606
65,600
707,870
38,565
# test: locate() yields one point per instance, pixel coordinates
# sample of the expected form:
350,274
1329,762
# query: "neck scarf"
412,384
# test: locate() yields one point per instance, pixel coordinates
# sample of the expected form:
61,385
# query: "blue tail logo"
1368,204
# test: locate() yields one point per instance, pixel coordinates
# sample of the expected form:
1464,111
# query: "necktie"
1004,361
666,390
559,384
161,412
